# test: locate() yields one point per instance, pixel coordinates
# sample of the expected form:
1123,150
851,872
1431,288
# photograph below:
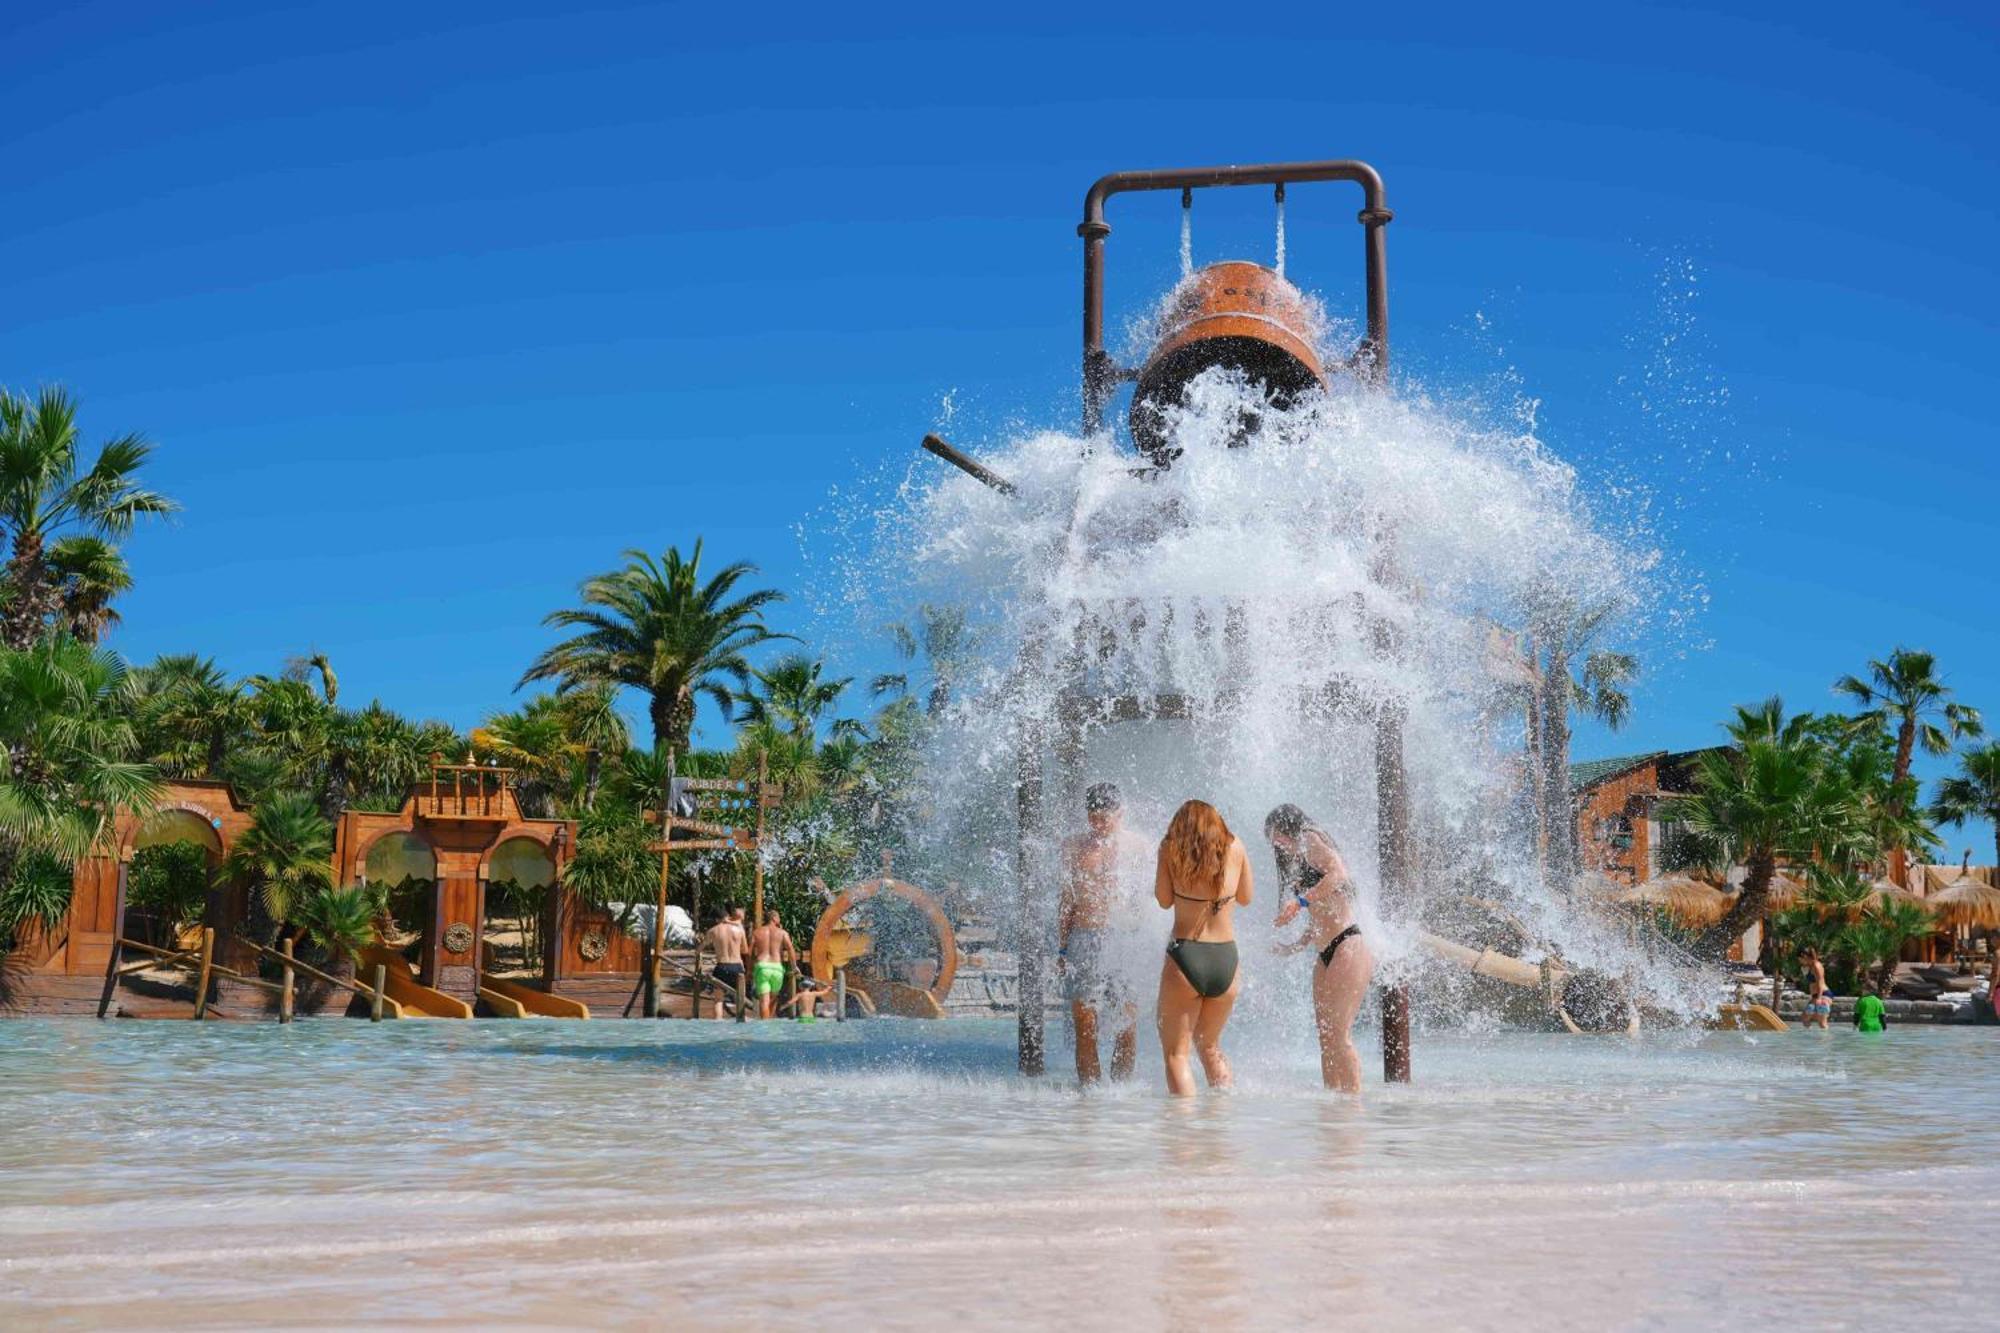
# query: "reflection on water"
899,1174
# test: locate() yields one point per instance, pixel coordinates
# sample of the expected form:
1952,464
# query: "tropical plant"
66,750
614,867
656,626
286,854
339,921
556,746
1884,928
45,493
35,891
796,698
1973,792
169,881
190,716
1905,696
89,572
1763,800
942,644
1572,676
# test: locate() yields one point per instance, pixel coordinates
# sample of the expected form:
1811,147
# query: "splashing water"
1228,628
1187,238
1279,265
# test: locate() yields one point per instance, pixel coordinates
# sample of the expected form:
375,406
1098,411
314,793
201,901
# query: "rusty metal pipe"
1101,374
970,466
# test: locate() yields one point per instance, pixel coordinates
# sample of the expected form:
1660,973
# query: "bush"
37,891
170,882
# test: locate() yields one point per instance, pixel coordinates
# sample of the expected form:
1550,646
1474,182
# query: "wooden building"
1619,831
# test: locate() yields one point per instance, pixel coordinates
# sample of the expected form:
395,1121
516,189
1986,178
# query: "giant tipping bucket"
1236,316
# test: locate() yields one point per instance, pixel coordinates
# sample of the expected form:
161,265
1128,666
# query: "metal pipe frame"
1101,375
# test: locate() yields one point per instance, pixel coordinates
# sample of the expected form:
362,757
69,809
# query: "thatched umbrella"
1690,901
1785,892
1885,891
1967,902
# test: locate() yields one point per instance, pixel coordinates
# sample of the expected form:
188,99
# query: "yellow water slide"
511,999
400,980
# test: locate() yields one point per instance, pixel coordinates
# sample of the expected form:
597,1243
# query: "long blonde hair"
1196,849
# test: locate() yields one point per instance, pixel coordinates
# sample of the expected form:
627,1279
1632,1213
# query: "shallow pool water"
899,1174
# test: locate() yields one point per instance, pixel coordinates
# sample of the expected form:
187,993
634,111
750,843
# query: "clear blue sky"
433,308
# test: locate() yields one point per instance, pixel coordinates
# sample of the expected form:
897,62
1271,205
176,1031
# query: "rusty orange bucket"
1237,315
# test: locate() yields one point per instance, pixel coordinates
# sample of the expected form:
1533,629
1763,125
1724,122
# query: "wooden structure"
1619,832
453,825
61,969
841,950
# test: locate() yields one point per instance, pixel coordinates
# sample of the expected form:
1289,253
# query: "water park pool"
898,1173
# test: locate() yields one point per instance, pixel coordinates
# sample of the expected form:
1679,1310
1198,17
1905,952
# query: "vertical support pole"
840,995
203,976
742,1001
375,1000
285,1001
117,946
694,997
1032,1036
792,987
660,904
1392,832
757,870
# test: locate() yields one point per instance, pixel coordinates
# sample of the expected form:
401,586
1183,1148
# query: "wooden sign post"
720,807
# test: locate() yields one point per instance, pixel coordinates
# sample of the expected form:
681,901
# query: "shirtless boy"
1092,899
771,948
728,941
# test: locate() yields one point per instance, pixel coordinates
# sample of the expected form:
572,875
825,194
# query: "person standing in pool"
1202,876
728,940
1819,1003
771,946
1870,1014
1096,865
1314,880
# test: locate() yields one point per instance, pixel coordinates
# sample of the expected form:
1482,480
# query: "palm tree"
340,921
302,669
1563,634
190,715
286,854
43,494
1905,694
89,572
67,751
796,697
945,646
1764,800
1973,792
656,626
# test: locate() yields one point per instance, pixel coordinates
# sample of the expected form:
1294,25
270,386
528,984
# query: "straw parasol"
1690,901
1785,892
1967,902
1885,891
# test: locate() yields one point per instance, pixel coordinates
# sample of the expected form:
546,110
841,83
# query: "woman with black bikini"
1202,876
1315,881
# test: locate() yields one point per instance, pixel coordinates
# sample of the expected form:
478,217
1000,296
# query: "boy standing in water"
1095,864
728,941
1869,1011
771,946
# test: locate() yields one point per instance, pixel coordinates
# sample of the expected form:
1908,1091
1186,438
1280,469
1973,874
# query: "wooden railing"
202,959
474,791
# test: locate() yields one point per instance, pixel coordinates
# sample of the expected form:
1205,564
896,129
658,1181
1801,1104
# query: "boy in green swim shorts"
771,948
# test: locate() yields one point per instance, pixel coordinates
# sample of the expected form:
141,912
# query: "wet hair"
1288,822
1196,848
1101,797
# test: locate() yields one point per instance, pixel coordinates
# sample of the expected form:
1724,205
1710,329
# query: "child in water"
1869,1011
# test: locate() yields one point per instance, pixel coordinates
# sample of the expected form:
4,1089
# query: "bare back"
771,944
726,939
1206,911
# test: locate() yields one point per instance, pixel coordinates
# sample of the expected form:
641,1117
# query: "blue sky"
433,309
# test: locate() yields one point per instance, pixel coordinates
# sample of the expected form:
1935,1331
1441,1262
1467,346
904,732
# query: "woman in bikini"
1202,876
1314,880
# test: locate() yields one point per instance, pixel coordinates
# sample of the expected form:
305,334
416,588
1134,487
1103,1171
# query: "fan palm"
1973,792
190,715
67,750
657,626
286,854
340,921
89,572
44,492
